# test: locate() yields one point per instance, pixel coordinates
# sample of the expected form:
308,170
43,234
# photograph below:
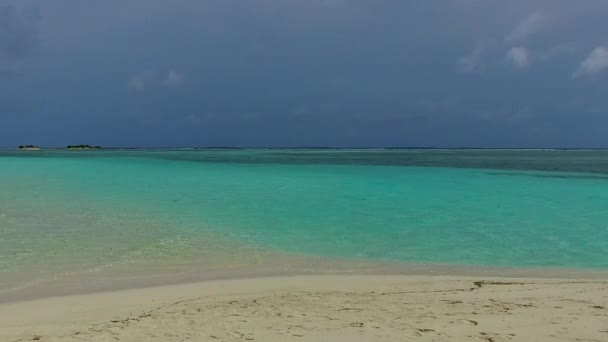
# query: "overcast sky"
476,73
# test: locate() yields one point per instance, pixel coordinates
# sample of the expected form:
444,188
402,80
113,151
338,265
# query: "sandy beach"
323,308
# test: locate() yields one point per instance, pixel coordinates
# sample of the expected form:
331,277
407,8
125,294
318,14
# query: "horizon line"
320,148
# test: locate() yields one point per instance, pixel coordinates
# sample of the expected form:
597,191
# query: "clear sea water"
87,211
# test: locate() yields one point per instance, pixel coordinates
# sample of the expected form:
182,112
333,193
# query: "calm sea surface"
87,211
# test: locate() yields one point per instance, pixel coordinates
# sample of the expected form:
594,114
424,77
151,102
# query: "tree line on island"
69,147
28,147
82,147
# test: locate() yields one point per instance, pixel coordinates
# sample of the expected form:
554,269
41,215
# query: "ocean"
69,213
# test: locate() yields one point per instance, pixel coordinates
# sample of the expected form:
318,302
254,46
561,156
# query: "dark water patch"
558,161
559,176
580,161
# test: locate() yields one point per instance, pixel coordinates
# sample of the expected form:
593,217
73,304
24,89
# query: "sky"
286,73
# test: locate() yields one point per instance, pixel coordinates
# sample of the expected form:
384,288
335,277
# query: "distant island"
82,147
29,147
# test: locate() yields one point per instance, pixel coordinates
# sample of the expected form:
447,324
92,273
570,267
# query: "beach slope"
323,308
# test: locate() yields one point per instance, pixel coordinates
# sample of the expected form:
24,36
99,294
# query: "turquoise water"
63,211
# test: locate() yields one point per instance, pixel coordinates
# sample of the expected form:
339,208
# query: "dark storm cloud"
318,72
18,32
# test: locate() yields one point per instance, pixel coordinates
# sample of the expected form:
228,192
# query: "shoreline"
329,307
127,277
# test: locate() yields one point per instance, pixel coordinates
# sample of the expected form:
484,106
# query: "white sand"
323,308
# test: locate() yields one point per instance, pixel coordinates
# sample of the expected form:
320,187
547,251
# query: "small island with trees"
29,147
82,147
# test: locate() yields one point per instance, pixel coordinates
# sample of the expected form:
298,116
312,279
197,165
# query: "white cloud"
475,60
558,51
174,79
532,24
471,62
142,80
519,57
138,82
596,62
153,79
